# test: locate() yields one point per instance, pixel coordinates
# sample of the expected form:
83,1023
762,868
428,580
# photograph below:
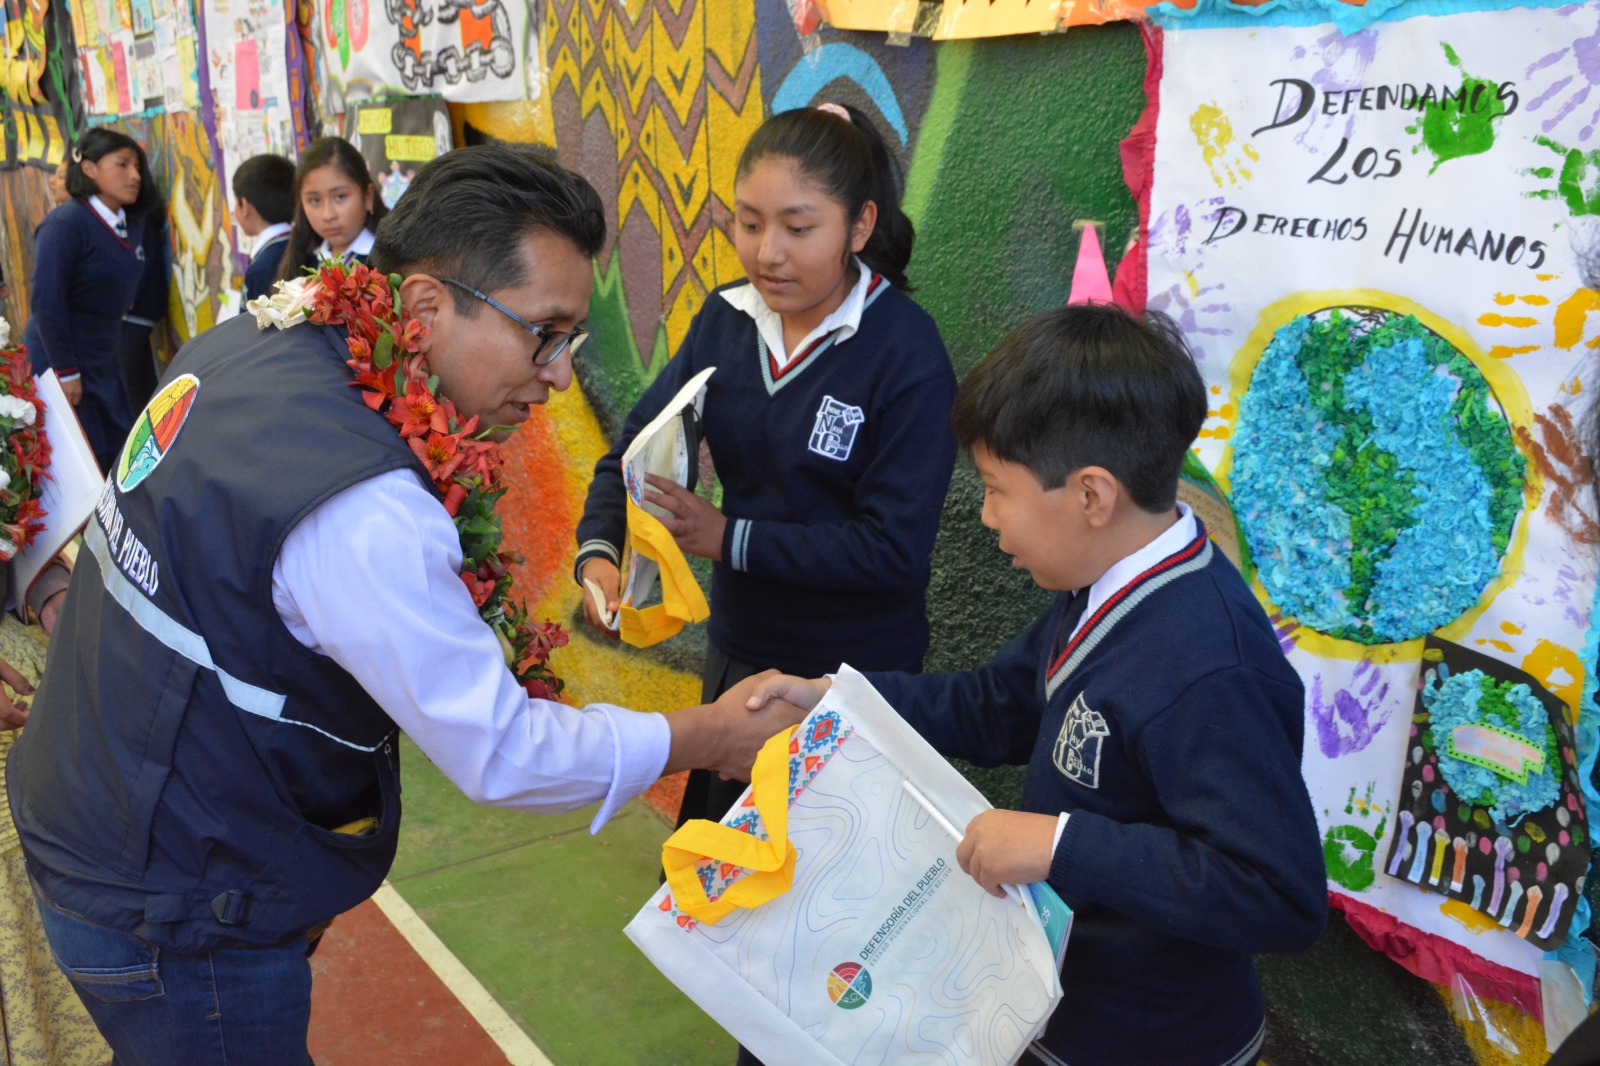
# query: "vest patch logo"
155,429
1077,752
834,432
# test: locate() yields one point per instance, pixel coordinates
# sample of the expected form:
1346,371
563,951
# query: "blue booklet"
1055,915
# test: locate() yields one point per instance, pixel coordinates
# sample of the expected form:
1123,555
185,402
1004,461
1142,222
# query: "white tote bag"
883,950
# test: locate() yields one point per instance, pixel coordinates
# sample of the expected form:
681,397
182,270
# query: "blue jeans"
242,1006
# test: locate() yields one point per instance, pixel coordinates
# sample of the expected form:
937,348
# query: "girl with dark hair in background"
88,262
828,420
337,208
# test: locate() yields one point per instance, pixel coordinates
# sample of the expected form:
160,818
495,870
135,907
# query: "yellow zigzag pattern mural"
678,87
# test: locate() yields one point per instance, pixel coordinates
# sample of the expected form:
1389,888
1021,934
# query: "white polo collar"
116,218
270,234
362,245
846,318
1177,536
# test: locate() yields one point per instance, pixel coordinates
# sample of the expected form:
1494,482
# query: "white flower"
7,550
20,411
5,333
286,307
5,479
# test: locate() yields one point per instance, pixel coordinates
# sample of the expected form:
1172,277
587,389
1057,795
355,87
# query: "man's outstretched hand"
726,735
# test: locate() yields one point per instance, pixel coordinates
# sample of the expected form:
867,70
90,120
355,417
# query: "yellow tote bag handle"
681,598
771,861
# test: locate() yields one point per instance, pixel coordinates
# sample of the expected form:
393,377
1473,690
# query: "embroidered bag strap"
770,861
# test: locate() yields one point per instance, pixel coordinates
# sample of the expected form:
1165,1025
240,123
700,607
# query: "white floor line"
519,1050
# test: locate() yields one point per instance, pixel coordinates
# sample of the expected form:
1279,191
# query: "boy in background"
1159,720
263,194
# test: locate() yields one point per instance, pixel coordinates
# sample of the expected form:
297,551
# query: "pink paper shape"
1090,282
247,76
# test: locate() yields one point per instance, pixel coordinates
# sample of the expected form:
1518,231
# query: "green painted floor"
534,906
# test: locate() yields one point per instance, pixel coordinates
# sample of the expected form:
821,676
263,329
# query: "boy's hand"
725,736
1008,848
803,693
693,522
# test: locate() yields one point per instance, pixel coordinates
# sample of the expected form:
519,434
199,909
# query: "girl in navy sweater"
88,260
828,420
337,208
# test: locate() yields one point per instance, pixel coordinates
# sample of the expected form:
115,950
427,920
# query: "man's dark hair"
466,214
1088,385
267,182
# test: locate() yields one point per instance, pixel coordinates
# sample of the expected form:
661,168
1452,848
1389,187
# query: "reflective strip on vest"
187,643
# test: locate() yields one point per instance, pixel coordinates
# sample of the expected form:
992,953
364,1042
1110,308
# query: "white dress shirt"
361,246
370,579
846,317
117,220
273,231
1176,537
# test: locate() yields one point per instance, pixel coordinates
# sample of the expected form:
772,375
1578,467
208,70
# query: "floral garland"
395,380
25,455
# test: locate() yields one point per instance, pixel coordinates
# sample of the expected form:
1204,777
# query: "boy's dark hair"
466,214
267,182
303,240
1088,385
852,163
94,146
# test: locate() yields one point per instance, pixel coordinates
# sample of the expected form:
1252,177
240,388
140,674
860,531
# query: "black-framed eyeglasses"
551,342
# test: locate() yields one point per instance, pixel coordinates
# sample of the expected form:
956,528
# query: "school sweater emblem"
834,432
1077,752
155,430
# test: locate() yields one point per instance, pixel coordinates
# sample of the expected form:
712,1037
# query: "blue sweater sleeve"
59,248
988,716
1238,864
888,545
604,524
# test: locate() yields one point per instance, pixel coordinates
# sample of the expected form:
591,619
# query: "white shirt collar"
271,233
846,318
362,245
1122,573
116,218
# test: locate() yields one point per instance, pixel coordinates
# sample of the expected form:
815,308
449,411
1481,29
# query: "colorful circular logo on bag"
849,985
155,430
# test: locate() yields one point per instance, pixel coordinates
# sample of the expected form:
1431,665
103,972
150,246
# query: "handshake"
725,736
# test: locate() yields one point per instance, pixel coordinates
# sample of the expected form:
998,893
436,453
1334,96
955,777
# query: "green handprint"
1459,125
1577,181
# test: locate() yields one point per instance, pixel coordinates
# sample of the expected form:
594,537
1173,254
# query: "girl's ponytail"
852,162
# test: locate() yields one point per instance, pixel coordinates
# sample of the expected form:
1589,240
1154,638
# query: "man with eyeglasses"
268,593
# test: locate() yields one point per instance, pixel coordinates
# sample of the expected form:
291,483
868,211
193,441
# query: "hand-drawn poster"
255,88
398,136
1371,241
1491,809
463,50
138,59
38,114
953,19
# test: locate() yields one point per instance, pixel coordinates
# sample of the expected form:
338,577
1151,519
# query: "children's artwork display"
138,58
398,136
255,95
462,50
1491,809
40,119
1372,241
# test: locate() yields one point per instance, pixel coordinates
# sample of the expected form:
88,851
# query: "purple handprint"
1348,721
1573,89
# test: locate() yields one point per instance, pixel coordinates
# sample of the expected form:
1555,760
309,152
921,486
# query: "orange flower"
417,412
440,454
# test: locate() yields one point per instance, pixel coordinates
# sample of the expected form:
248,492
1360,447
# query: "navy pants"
243,1006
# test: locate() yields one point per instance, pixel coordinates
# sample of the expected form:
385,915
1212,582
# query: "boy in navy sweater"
263,206
1160,723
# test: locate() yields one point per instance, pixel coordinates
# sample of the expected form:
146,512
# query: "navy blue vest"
188,760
